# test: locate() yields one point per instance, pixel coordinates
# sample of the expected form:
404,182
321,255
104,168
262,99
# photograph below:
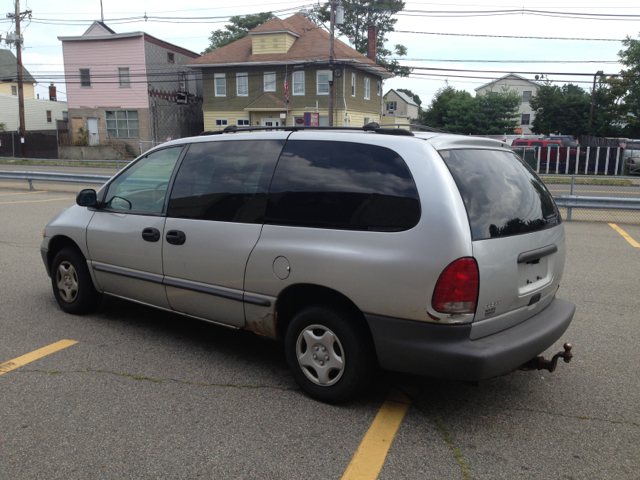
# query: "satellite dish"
537,77
337,72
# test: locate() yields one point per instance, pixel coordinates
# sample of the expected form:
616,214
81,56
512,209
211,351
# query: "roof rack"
369,127
419,126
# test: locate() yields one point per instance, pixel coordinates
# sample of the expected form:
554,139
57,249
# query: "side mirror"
87,198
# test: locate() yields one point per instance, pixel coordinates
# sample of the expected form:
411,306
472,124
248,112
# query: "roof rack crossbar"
370,127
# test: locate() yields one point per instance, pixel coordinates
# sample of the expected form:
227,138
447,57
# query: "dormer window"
171,57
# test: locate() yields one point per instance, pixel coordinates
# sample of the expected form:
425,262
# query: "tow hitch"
539,363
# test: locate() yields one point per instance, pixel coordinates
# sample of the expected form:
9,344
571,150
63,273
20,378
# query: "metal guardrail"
54,160
605,203
564,201
54,177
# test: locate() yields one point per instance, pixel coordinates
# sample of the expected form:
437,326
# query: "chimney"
52,93
372,43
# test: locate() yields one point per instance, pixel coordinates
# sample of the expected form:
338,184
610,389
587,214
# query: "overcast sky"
43,52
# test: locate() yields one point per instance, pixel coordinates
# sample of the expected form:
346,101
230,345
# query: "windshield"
501,193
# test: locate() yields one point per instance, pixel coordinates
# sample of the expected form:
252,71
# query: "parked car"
552,152
565,140
431,254
632,156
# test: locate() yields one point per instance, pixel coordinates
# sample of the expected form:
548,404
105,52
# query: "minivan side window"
341,185
143,186
225,181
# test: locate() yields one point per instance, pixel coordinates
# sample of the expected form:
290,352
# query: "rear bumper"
445,351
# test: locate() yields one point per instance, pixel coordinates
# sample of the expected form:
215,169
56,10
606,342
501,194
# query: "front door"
270,122
214,220
125,236
92,127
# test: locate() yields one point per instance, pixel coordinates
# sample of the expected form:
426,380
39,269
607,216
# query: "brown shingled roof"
312,45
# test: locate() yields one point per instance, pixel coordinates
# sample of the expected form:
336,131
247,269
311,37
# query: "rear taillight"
457,288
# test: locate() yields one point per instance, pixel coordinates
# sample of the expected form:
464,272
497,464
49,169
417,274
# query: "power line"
487,61
511,36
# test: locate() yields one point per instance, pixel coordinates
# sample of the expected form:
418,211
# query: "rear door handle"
151,234
176,237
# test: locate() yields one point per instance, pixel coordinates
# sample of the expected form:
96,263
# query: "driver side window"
143,187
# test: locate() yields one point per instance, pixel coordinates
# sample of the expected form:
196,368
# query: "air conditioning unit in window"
182,98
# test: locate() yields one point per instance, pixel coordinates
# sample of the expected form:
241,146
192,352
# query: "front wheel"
329,354
72,284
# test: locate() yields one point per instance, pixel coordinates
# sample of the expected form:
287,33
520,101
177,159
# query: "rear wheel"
72,284
329,354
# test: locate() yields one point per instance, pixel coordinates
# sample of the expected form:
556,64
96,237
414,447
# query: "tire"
72,284
344,359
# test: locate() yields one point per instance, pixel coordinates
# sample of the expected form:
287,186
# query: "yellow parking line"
372,452
37,201
35,355
23,193
626,236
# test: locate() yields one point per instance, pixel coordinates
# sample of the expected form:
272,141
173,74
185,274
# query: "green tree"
497,112
3,127
358,16
239,28
433,116
630,82
411,95
456,111
567,109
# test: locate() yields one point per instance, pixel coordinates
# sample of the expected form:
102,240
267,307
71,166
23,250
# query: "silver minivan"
426,253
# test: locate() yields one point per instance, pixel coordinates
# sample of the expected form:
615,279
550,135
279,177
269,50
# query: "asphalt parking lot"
149,394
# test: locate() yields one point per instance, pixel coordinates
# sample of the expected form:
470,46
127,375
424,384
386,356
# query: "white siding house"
38,114
526,89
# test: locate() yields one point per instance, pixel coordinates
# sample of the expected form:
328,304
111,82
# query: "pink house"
130,90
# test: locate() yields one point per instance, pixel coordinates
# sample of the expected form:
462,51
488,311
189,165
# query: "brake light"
457,287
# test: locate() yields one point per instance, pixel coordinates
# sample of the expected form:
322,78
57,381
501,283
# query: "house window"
182,86
171,57
298,83
391,106
85,77
48,116
123,77
526,96
14,90
122,123
221,122
65,116
367,88
242,122
242,84
379,88
270,82
367,120
353,84
525,119
322,82
220,83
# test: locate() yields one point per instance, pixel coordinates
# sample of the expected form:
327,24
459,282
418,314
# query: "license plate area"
534,275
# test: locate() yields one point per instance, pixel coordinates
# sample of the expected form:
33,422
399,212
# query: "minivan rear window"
501,193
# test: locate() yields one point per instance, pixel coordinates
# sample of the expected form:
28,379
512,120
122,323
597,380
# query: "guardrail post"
30,185
117,164
569,209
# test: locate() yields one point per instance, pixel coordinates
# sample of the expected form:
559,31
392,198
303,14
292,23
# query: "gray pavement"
150,394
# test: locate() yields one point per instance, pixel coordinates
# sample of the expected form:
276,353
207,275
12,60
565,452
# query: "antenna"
101,12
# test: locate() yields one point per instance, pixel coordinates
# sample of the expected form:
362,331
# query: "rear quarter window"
501,194
342,185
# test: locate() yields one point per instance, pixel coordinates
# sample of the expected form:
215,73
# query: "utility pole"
18,16
333,19
593,97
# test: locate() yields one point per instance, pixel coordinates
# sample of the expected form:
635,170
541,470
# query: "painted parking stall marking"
35,355
372,452
625,235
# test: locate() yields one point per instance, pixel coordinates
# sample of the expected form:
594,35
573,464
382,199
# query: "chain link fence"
596,186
